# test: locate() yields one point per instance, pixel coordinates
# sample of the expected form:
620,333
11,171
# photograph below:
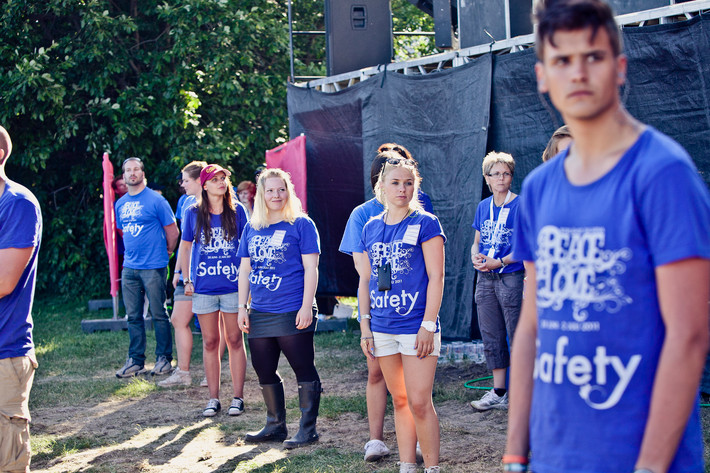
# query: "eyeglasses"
399,161
497,175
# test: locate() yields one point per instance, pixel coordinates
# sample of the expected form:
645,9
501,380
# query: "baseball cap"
210,171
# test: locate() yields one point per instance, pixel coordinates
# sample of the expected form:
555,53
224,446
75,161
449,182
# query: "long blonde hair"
394,160
292,209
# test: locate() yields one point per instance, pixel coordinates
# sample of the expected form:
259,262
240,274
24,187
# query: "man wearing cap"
20,234
149,231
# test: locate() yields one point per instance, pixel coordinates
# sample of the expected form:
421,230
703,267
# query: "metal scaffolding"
447,60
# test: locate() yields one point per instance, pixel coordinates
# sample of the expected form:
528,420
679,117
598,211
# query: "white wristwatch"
429,326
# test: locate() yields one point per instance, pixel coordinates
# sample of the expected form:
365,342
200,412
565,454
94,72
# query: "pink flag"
291,157
110,225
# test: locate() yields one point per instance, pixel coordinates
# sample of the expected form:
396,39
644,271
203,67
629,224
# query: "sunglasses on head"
400,161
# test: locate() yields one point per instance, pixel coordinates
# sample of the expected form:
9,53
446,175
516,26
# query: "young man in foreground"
614,327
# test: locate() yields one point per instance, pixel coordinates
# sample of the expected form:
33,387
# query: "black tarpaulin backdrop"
450,119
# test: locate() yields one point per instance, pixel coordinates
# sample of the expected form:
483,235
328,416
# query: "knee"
210,343
420,406
399,400
374,377
235,341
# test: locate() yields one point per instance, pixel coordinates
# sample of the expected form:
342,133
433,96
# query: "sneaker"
203,383
213,407
162,366
491,400
432,469
237,407
407,467
130,369
375,449
178,378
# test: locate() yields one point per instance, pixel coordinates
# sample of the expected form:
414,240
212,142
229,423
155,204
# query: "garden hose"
467,384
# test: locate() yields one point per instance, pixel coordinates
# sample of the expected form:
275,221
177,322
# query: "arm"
14,262
171,235
184,260
521,370
243,287
474,248
433,251
683,291
178,267
304,318
363,301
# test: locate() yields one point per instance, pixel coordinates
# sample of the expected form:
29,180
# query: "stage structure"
452,108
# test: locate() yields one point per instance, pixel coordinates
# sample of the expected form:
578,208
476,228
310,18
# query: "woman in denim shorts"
211,231
279,254
499,287
401,285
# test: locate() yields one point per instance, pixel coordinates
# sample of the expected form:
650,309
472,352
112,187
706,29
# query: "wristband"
365,316
242,306
508,458
515,467
188,282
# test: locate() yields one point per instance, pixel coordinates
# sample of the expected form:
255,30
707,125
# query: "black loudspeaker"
483,21
358,34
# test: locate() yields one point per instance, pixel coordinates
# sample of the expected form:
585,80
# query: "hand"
367,344
476,258
189,288
243,320
487,264
424,343
176,280
304,317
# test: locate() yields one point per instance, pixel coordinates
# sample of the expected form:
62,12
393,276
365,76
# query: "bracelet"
188,282
365,316
367,338
508,458
242,306
515,467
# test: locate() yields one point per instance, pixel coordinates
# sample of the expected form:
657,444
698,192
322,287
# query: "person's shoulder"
304,221
368,209
18,193
373,221
658,150
424,215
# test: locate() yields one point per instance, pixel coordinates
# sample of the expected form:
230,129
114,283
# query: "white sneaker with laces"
213,407
491,400
432,469
237,407
375,449
203,383
407,467
178,378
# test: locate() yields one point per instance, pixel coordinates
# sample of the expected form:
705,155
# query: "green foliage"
167,81
407,17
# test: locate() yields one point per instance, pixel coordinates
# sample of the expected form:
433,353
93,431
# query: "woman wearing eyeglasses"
399,295
499,289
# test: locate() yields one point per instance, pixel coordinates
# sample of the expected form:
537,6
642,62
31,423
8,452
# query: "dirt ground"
165,432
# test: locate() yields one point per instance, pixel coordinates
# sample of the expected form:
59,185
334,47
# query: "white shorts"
390,344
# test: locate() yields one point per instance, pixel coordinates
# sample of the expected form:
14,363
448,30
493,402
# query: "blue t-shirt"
600,332
180,206
20,227
352,236
214,267
276,280
504,236
401,309
142,217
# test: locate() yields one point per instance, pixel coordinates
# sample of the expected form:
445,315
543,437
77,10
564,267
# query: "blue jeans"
135,285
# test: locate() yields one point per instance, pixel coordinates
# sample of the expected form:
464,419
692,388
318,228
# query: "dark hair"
552,16
114,185
384,152
194,168
229,216
551,148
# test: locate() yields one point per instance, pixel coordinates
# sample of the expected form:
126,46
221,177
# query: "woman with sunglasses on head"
399,296
499,288
182,304
279,254
211,231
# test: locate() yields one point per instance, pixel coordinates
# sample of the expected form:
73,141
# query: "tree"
167,81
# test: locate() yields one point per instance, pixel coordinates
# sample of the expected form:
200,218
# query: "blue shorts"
207,303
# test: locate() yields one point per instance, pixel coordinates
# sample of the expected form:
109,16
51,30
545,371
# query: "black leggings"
299,352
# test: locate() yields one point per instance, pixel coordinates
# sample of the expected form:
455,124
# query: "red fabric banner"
110,225
291,157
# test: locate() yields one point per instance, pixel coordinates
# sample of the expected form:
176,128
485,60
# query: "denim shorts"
390,344
206,303
179,294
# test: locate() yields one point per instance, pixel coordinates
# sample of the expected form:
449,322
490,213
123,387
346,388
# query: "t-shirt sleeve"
478,218
116,211
523,235
242,218
426,202
431,228
353,232
21,231
675,212
243,250
309,241
165,213
188,224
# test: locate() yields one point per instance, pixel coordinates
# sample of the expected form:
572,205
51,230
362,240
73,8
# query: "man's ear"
540,74
2,156
622,63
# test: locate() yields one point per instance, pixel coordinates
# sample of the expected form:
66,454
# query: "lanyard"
498,225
